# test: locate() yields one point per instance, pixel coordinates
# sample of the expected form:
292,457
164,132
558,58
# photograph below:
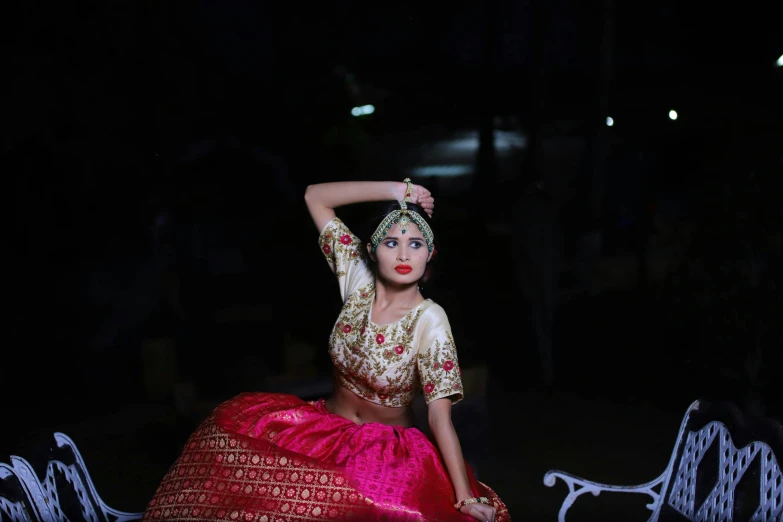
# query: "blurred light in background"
609,121
456,155
364,109
441,170
508,140
780,61
469,142
672,115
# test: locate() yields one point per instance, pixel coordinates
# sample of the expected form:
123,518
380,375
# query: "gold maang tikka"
403,217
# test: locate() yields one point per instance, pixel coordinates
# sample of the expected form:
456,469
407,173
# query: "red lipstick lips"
403,269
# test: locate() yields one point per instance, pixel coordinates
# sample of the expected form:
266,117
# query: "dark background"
162,259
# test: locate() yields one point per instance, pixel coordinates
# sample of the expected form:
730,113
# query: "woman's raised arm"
323,198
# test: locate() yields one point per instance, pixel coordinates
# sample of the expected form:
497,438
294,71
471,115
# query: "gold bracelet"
408,189
468,501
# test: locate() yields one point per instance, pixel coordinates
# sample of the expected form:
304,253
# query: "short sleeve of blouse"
437,361
346,257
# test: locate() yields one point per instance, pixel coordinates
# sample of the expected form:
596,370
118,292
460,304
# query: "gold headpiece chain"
404,218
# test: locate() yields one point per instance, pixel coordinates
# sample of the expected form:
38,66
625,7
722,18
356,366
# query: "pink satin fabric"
263,457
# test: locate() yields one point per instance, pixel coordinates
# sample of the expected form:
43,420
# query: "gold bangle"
408,189
468,501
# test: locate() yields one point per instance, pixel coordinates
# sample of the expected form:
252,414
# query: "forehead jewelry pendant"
404,219
404,223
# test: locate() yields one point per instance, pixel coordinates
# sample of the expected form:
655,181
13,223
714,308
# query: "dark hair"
385,208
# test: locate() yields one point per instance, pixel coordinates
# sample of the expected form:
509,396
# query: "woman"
356,455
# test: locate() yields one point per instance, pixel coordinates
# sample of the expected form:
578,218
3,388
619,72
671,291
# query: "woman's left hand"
482,512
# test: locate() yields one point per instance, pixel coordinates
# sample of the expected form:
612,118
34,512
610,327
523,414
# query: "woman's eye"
416,244
391,244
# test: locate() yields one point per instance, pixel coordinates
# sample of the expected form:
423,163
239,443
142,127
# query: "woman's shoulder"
433,313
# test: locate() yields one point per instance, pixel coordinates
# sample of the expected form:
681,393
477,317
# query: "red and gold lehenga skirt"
274,457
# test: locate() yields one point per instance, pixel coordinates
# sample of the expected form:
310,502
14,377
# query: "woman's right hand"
422,197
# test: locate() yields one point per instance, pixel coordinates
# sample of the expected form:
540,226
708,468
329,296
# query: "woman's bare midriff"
347,404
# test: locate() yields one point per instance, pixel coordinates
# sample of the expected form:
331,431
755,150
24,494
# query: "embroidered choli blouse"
386,364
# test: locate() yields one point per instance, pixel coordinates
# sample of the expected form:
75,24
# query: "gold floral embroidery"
439,369
338,242
345,255
385,364
381,363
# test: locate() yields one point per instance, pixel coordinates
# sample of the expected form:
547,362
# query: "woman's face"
402,258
